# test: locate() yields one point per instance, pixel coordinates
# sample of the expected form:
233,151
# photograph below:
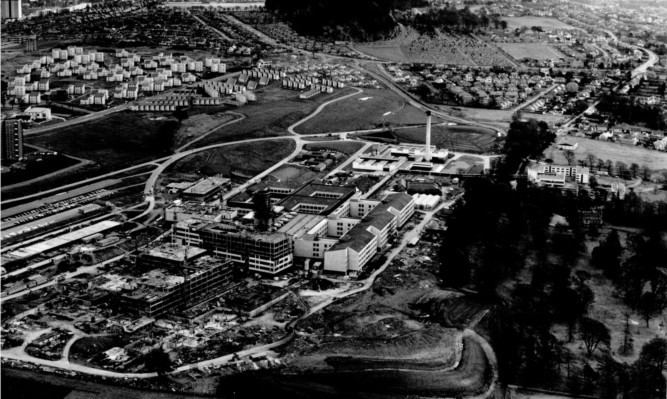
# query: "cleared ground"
198,125
606,150
118,140
544,22
539,51
275,110
367,110
456,138
249,159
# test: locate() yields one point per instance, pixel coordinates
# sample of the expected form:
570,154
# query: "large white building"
556,175
364,239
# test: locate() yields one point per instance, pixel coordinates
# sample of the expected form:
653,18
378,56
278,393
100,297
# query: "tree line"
623,109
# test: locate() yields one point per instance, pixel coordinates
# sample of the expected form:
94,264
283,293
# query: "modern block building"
363,240
11,9
317,221
557,175
180,277
12,139
263,252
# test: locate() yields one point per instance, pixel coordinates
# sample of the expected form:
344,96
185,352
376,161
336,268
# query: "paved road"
533,99
320,108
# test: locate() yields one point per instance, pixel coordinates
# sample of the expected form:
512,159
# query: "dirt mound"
450,309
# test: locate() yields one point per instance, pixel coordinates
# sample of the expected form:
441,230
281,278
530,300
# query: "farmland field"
250,158
544,22
275,110
538,51
118,140
654,160
367,110
455,138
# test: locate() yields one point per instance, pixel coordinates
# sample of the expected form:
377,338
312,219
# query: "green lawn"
366,110
456,138
275,110
251,158
118,140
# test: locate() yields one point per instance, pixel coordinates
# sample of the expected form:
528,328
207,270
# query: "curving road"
321,107
385,79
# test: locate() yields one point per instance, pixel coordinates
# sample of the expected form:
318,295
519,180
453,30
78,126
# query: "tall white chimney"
427,156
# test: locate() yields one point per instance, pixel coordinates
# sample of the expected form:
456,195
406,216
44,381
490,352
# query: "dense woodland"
501,243
625,110
368,20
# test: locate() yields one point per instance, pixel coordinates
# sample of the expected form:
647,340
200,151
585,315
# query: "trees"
593,333
158,360
606,256
524,140
569,156
647,379
649,306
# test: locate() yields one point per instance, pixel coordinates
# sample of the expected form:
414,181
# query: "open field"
275,110
292,176
251,158
538,51
198,125
442,48
118,140
456,138
544,22
652,159
367,110
35,168
346,147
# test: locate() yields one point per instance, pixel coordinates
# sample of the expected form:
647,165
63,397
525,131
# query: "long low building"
358,246
59,241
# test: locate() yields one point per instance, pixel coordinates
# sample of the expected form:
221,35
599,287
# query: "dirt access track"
472,377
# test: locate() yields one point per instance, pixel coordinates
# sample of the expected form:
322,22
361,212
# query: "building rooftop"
301,224
61,240
325,197
206,185
175,252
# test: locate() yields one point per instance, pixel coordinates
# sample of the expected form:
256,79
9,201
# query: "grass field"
198,125
251,158
654,160
275,110
364,111
539,51
456,138
118,140
346,147
544,22
293,176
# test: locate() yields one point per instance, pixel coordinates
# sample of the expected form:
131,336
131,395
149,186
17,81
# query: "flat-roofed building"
260,252
317,199
12,139
363,240
207,188
172,288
